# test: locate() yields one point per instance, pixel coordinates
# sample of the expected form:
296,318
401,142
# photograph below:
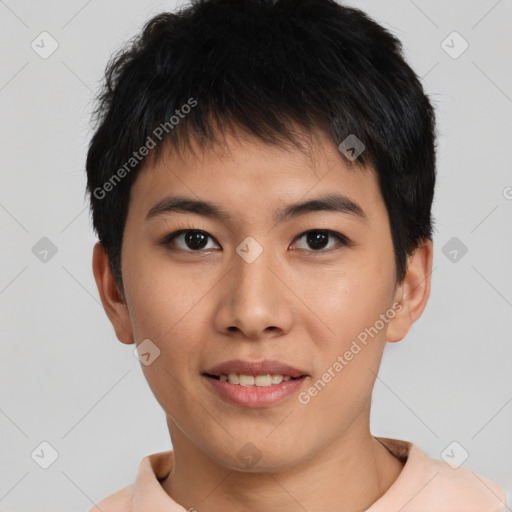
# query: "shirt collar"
148,493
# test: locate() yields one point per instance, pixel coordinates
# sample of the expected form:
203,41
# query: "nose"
255,302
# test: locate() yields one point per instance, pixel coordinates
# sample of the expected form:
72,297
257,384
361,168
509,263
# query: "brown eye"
318,239
191,240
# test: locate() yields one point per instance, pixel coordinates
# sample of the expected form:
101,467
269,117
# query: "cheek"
347,298
167,307
163,296
174,328
346,324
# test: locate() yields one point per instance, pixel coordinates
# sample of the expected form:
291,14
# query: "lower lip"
255,396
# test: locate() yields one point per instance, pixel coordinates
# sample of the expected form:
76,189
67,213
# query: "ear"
413,292
113,302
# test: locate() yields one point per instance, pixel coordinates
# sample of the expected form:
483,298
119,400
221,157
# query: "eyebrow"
329,203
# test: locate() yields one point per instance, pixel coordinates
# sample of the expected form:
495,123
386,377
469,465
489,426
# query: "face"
304,289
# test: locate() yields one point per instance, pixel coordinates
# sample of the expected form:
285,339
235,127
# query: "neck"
348,475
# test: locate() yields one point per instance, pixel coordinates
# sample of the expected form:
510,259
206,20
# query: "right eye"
189,240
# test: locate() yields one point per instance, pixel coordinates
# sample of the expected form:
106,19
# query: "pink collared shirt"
424,485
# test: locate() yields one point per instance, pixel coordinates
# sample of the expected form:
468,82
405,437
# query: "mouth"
254,384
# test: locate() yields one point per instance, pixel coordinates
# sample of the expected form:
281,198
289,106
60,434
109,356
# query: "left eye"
195,240
317,238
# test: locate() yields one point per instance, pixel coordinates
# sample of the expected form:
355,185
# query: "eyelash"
342,239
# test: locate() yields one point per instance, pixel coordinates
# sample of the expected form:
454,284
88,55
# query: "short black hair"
264,67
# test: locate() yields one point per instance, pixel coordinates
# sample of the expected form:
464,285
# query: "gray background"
67,380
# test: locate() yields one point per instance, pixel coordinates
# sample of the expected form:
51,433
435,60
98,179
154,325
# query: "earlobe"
111,298
413,293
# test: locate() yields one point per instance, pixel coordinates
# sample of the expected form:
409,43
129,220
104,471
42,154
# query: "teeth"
246,380
233,378
258,380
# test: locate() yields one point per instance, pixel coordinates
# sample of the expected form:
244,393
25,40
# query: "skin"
294,303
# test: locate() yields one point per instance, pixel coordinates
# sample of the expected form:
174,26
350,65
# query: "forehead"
252,178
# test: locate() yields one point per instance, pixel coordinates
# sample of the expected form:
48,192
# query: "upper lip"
255,368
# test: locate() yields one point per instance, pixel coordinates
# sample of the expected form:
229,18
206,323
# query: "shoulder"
427,483
465,488
120,501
